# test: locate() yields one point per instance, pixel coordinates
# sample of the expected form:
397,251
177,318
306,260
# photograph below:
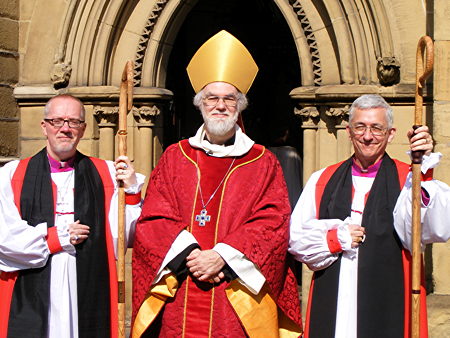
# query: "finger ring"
75,238
125,166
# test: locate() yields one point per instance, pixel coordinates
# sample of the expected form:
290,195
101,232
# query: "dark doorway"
261,27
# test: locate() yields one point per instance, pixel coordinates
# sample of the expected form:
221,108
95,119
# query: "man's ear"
44,129
347,128
81,133
391,132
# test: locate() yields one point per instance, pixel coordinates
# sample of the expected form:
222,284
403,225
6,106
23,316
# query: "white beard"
220,126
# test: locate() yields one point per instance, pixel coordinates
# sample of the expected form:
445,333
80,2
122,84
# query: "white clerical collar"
242,144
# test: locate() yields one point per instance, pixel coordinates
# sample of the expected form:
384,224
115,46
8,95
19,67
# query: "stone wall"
345,48
9,75
441,124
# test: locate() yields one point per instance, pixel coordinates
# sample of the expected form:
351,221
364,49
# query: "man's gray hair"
48,104
241,99
371,101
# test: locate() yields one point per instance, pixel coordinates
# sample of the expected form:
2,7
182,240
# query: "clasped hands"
206,265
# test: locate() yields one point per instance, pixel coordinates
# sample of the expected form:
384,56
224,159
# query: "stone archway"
262,28
343,48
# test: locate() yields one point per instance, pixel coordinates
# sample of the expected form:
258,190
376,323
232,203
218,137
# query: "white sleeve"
21,246
308,235
248,273
132,212
183,240
434,215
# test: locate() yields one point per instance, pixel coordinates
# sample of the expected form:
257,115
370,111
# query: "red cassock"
249,212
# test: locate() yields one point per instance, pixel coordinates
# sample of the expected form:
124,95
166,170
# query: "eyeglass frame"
69,121
223,98
382,130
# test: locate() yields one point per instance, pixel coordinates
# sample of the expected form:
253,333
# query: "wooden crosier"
424,67
125,105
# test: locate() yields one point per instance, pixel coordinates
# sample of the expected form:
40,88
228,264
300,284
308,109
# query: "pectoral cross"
202,218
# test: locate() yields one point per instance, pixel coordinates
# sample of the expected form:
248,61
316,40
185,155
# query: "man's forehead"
372,115
222,88
61,105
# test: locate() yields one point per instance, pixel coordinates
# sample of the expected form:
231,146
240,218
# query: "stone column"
107,122
145,117
310,118
441,130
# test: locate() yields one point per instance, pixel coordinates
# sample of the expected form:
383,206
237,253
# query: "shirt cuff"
132,199
430,161
183,240
137,187
64,239
343,233
248,273
333,241
53,240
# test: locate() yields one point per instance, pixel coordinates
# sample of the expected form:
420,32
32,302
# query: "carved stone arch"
87,41
156,41
160,30
97,37
355,37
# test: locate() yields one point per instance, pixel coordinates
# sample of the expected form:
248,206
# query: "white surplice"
24,247
308,242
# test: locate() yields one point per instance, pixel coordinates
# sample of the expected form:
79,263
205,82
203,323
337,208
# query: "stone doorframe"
345,48
94,39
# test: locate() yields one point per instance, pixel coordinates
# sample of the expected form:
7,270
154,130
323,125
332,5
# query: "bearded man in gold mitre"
210,253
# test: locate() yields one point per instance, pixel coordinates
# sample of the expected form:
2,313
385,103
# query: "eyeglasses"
360,129
212,101
58,123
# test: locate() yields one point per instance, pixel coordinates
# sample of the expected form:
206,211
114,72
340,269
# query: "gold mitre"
222,58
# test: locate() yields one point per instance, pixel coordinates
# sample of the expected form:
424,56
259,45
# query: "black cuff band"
229,273
178,264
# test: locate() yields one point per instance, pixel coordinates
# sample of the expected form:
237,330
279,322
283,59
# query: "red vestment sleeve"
160,218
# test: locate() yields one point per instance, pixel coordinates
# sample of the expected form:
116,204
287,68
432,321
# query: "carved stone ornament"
310,39
339,115
341,112
106,116
145,39
307,112
146,114
60,75
388,71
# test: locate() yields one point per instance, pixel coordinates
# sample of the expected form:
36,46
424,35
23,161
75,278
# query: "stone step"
438,316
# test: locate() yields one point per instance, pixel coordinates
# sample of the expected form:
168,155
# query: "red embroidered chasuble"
250,212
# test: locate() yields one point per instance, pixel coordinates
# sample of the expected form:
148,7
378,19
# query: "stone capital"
310,116
146,116
106,116
339,115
